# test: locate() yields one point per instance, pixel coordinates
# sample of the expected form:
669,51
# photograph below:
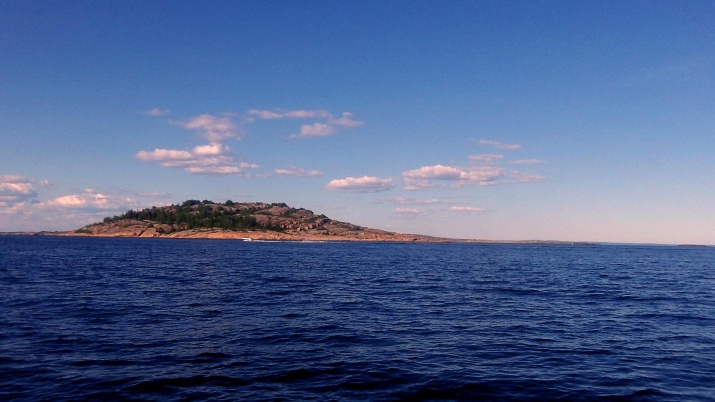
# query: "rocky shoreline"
249,221
389,237
195,219
335,232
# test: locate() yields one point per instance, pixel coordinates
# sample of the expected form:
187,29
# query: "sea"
167,319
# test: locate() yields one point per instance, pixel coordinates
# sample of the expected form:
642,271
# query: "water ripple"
152,319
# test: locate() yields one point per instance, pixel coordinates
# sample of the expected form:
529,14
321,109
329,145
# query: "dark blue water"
150,319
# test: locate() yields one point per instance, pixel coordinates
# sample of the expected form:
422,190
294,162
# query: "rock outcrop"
255,221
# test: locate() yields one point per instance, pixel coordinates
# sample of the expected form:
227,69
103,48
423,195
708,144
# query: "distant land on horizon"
247,221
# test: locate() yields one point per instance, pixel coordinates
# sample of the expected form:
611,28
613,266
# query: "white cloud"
160,154
526,177
289,114
407,211
213,159
211,149
327,127
213,128
413,201
68,201
69,211
245,165
16,186
265,114
346,121
18,189
426,176
89,200
482,171
216,158
485,157
527,162
17,208
155,112
213,169
500,145
466,209
315,130
481,174
298,172
436,172
417,184
365,184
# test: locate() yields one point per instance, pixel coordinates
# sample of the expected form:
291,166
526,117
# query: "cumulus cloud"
70,201
436,172
365,184
483,170
407,211
89,200
18,189
213,128
456,208
155,112
212,159
426,176
211,149
216,158
483,175
69,210
500,145
161,154
298,172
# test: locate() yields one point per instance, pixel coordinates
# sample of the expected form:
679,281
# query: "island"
246,221
251,221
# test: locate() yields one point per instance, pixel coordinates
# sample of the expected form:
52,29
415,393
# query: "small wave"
344,339
213,355
438,390
166,385
356,322
646,394
295,375
293,315
86,363
209,357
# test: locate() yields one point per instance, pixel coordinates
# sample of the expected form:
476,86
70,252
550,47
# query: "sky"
500,120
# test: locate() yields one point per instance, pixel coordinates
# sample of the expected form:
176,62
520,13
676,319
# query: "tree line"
194,214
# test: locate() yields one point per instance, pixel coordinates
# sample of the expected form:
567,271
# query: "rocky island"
238,220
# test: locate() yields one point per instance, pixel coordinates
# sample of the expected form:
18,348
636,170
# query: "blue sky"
562,120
